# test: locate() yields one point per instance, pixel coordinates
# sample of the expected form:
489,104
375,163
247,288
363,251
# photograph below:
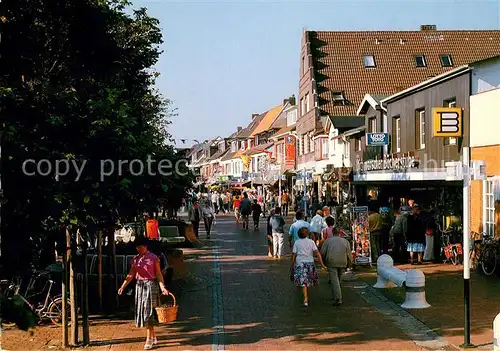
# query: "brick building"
337,70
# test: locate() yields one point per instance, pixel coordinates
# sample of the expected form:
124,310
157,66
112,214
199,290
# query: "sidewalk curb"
419,333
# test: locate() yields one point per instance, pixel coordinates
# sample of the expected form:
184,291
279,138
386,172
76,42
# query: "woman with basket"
147,272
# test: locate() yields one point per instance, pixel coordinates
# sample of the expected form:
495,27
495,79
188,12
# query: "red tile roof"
339,67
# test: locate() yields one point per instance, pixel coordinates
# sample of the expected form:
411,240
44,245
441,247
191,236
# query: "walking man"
337,256
195,216
284,203
208,216
278,228
245,210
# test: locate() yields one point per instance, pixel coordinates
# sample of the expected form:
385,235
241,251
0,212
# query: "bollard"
496,333
415,290
388,276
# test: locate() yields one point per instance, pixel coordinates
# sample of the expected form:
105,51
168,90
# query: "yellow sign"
447,122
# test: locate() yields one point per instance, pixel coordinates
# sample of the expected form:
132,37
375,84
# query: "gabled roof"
280,121
338,60
284,130
372,100
246,132
266,122
259,148
218,154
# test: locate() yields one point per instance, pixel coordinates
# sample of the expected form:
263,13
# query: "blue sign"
377,139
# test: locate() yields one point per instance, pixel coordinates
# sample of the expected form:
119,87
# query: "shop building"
337,70
485,145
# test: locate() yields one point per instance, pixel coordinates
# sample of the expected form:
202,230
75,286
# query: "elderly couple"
206,212
335,256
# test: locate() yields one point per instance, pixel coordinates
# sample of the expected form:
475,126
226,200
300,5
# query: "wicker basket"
167,313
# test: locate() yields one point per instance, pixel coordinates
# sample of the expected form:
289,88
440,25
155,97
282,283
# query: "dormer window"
369,61
420,61
446,61
339,98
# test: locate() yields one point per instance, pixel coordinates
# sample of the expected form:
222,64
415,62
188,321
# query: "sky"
225,60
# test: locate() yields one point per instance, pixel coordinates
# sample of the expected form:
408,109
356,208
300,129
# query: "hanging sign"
447,122
377,139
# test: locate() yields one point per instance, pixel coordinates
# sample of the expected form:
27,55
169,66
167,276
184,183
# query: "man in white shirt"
296,226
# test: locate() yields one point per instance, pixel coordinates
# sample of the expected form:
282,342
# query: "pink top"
145,266
328,232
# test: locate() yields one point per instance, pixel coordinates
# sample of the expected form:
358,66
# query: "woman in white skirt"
147,272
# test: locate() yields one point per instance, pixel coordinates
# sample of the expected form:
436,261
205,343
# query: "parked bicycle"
453,252
489,255
43,302
477,241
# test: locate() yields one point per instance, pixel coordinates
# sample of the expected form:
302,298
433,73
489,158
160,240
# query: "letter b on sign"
447,122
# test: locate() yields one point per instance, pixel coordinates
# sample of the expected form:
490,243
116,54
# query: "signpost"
447,122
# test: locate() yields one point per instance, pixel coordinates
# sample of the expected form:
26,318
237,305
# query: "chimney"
292,100
239,129
428,27
255,115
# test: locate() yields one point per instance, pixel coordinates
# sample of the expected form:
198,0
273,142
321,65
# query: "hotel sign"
395,163
377,139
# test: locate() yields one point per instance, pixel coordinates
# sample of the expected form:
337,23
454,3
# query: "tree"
77,89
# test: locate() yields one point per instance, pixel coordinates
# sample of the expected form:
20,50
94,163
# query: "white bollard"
384,261
415,290
496,333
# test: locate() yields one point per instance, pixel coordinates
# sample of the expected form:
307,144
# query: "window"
311,143
420,129
372,125
306,146
357,144
396,134
450,103
279,153
302,107
300,146
339,98
324,148
304,67
489,210
369,61
420,61
446,61
307,102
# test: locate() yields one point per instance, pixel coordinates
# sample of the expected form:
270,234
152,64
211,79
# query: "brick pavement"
256,307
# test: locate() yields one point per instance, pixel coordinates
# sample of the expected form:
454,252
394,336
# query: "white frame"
308,105
324,146
398,134
373,125
421,123
424,61
452,140
489,206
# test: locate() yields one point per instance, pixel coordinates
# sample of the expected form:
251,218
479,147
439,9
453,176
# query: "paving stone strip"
419,333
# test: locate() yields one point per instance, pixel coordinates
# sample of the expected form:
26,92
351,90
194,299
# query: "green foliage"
78,85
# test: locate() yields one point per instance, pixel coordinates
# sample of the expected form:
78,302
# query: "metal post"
279,191
466,244
305,192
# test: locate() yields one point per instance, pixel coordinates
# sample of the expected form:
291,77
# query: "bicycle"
477,241
49,308
452,252
489,256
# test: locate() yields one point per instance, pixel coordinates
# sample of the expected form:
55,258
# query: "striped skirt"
147,297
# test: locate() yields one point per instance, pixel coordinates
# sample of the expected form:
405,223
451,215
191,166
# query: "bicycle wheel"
55,311
7,324
489,260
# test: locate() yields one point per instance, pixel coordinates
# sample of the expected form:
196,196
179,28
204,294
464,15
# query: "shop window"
489,211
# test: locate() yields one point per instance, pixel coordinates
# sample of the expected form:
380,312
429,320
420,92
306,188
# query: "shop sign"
341,174
393,163
377,139
290,150
447,122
